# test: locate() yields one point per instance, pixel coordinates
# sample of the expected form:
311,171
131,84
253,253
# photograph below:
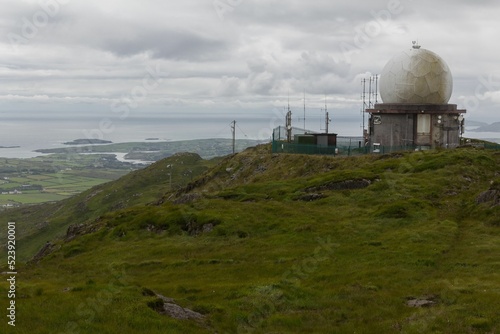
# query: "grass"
346,262
38,224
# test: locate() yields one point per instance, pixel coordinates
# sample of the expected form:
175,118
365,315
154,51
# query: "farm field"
55,177
63,172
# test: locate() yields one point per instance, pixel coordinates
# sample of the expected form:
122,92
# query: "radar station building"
415,87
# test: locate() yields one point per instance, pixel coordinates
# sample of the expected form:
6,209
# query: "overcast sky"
234,56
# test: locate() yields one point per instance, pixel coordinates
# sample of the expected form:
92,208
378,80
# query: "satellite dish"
461,118
289,127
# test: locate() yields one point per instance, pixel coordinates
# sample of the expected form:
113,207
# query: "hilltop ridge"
261,242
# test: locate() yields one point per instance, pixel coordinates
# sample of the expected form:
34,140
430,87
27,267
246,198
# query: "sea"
21,135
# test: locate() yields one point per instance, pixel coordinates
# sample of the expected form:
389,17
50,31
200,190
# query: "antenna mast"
370,92
327,118
289,123
233,129
363,98
304,110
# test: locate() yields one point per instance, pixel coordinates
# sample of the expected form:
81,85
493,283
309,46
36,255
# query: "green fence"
492,146
284,147
293,148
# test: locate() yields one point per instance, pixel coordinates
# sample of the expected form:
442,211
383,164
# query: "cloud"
94,52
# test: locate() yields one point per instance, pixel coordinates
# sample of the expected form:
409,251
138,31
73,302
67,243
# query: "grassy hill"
38,224
263,243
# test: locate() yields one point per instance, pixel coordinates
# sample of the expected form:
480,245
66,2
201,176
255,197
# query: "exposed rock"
311,197
489,196
79,229
167,306
193,228
177,312
342,185
207,228
155,229
46,250
424,301
420,303
93,194
187,198
260,169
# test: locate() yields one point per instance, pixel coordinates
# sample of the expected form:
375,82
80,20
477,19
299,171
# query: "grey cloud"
178,45
259,52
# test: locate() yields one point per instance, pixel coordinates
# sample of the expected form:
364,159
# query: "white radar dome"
416,76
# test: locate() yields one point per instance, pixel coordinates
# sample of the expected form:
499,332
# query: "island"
88,142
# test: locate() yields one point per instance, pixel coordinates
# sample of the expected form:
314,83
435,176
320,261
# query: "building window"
424,124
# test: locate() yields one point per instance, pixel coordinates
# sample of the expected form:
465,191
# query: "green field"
55,177
55,186
70,170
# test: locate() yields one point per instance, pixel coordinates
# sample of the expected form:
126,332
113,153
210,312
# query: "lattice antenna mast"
233,129
363,98
370,92
288,122
303,118
327,118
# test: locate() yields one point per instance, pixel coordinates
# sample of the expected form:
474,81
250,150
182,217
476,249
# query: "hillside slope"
265,243
38,224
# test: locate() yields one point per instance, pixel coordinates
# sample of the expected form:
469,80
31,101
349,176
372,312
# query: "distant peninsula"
10,146
494,127
88,142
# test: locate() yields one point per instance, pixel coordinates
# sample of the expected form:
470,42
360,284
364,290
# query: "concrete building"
415,87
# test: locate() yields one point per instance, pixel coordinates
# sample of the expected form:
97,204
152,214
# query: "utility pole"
327,119
171,166
233,129
304,110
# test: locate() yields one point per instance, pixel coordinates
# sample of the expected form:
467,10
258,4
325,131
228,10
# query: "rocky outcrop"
341,185
423,301
79,229
194,228
311,197
491,196
167,306
46,250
